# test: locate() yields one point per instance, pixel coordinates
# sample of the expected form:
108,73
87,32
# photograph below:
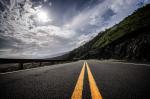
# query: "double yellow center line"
95,93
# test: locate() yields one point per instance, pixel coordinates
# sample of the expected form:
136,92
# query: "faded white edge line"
23,70
50,66
17,71
133,63
123,62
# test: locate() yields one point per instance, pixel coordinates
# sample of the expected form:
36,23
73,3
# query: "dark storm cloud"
108,14
70,24
5,43
65,10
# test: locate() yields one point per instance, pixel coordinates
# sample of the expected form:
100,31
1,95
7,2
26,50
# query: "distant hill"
130,39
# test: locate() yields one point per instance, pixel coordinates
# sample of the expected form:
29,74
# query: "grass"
137,20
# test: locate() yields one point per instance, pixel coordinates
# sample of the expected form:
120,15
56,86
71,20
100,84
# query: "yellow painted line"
77,93
95,93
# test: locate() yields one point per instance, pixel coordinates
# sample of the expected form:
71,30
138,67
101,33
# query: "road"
90,79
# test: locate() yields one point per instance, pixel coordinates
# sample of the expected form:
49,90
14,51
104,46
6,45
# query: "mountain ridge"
130,39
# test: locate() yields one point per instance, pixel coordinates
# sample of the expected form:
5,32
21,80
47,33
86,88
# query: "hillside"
130,39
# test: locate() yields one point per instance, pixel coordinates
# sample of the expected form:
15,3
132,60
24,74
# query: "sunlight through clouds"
37,27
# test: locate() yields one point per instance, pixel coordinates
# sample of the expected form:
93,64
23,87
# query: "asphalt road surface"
89,79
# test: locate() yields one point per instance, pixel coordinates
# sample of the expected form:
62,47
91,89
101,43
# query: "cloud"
100,14
22,36
16,25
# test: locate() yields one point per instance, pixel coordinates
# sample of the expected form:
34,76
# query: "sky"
47,28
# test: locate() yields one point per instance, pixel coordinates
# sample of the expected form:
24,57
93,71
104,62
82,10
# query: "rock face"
136,47
130,39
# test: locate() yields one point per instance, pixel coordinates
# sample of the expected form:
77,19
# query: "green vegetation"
128,29
137,20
